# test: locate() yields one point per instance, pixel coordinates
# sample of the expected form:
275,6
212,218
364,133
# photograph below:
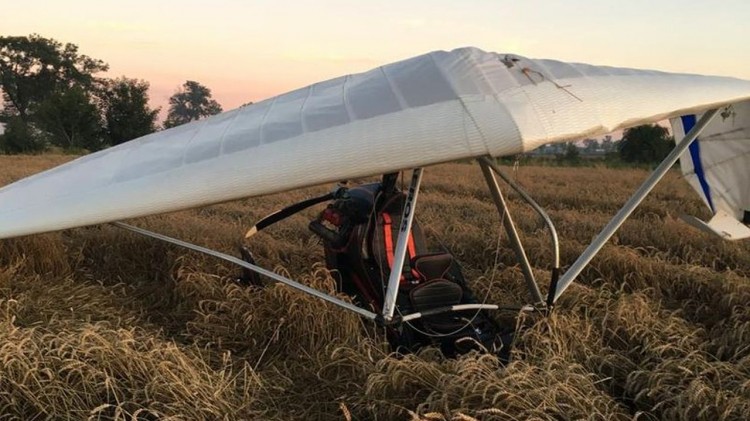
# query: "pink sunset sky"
251,50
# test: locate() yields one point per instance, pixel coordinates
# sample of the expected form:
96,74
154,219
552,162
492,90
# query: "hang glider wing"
717,165
433,108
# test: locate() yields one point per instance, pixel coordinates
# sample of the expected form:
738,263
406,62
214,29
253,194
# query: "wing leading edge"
438,107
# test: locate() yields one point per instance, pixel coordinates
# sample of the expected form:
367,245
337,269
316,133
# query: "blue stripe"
688,121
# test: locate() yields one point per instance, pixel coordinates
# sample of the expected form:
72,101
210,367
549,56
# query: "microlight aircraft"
409,115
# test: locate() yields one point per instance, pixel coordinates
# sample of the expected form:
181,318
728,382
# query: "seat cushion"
434,294
433,266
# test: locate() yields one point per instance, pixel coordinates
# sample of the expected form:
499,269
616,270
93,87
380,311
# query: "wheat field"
98,323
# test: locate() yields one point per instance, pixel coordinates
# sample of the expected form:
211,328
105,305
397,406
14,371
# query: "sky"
249,50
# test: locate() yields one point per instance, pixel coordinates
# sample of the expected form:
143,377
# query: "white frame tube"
275,276
510,229
399,255
534,205
635,200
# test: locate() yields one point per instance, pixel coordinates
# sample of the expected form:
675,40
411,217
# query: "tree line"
645,144
53,98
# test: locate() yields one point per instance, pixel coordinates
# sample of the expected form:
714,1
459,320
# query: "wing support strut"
510,228
596,245
486,161
275,276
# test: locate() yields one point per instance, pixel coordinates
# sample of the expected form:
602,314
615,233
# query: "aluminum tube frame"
294,284
629,206
448,309
510,228
534,205
399,255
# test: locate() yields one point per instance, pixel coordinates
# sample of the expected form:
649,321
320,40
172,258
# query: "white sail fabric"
717,165
433,108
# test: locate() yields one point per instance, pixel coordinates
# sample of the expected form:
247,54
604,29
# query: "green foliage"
649,143
192,102
590,145
20,137
52,98
32,67
571,156
609,145
40,78
71,120
126,112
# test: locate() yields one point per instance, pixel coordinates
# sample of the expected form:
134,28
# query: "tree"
20,137
71,120
192,102
649,143
572,154
125,110
590,145
33,67
37,74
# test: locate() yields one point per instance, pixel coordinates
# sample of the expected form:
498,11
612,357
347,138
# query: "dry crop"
97,323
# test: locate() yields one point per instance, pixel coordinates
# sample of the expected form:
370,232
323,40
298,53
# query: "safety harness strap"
389,250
